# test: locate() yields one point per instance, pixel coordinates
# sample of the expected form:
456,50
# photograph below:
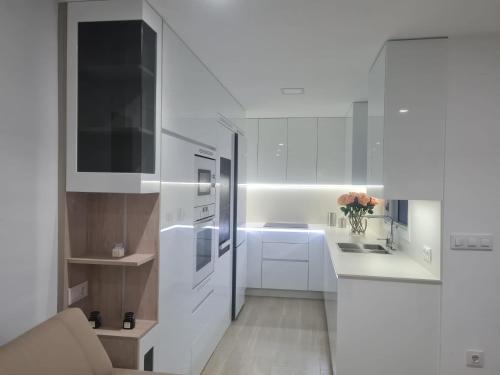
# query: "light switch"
459,241
471,241
485,242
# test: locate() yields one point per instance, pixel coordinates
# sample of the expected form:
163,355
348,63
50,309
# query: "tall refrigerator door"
241,278
240,254
242,189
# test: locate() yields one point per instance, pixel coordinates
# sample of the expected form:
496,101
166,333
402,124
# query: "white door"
331,150
302,150
272,150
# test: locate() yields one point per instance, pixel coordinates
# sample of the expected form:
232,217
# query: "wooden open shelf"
132,260
141,328
93,224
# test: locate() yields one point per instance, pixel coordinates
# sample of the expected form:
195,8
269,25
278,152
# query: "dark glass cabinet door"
116,97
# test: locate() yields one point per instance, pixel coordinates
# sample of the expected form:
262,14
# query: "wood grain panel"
106,294
76,224
123,353
142,223
105,222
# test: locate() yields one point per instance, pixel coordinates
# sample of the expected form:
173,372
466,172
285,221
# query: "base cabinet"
286,260
393,326
284,274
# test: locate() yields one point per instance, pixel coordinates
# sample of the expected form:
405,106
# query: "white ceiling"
256,47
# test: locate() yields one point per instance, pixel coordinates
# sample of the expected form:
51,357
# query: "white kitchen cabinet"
330,302
373,319
193,99
254,259
286,251
288,236
395,321
357,146
272,150
252,136
290,260
175,303
284,274
331,164
316,262
128,74
302,150
407,108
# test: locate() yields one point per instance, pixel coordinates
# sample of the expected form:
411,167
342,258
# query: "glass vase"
358,223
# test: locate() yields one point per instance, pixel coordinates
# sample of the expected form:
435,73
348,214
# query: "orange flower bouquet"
355,206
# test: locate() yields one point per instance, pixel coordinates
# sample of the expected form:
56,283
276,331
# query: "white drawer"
283,274
288,236
201,293
285,251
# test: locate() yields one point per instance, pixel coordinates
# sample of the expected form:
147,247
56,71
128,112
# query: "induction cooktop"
286,225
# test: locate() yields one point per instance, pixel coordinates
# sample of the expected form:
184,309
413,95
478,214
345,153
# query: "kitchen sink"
349,247
370,246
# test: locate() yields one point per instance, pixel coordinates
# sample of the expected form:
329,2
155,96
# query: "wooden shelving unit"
99,221
141,328
133,260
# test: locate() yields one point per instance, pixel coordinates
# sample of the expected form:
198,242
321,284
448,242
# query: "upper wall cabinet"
252,140
406,125
331,167
299,150
302,150
272,150
193,99
358,142
113,97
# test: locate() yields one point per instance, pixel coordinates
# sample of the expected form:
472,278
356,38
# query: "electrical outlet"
475,358
78,292
427,253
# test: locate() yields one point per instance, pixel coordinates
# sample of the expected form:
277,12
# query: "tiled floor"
274,336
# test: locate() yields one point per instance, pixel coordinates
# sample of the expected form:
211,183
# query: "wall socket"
474,358
78,292
427,254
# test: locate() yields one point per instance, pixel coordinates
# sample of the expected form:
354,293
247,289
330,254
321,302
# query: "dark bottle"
95,319
116,97
129,320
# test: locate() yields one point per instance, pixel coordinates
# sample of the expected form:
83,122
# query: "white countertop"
397,266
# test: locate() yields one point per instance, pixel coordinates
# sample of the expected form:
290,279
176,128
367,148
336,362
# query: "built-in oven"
205,178
204,245
204,226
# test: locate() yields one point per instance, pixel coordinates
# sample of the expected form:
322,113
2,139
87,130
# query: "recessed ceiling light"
281,144
293,91
403,110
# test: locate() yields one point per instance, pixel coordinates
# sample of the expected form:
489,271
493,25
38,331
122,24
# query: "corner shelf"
141,328
132,260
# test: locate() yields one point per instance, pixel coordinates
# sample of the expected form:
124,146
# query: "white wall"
28,164
424,229
471,280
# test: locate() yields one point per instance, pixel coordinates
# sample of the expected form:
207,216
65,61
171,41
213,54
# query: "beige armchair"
63,345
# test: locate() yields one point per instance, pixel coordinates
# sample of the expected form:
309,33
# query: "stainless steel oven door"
205,178
204,246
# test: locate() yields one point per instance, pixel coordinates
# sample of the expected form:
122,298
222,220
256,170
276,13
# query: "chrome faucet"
389,241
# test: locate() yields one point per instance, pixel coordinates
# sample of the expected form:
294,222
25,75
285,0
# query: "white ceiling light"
403,110
292,91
